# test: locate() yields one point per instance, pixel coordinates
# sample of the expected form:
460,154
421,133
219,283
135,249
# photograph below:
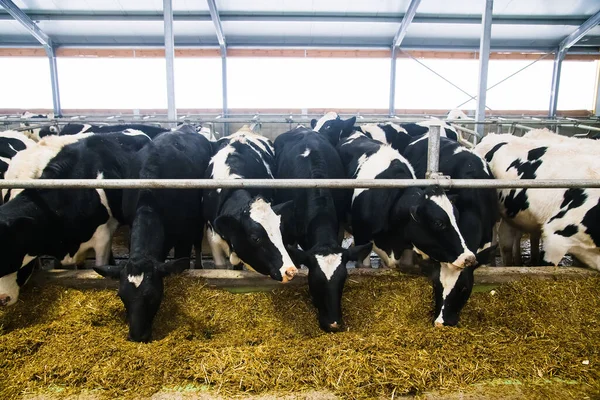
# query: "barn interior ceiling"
526,25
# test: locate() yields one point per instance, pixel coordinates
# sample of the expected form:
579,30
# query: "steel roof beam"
406,21
580,32
216,19
16,13
301,17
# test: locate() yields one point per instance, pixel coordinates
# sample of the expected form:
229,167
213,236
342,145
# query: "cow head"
16,266
332,126
141,290
432,226
452,288
34,134
255,238
326,277
49,130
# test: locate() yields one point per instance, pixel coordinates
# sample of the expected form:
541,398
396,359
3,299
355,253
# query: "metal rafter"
561,51
45,41
406,21
226,16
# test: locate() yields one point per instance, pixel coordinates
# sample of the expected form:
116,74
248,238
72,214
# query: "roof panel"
338,6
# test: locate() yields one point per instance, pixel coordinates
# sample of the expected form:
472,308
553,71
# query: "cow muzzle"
290,273
466,259
4,300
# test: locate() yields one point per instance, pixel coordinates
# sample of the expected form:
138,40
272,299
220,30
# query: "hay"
65,341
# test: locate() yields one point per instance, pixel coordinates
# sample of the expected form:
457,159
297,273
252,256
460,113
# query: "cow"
566,218
418,129
478,213
400,218
389,133
34,133
244,224
318,217
332,126
63,223
74,128
160,219
11,142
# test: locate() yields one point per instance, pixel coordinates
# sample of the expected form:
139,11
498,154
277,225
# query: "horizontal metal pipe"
297,119
293,183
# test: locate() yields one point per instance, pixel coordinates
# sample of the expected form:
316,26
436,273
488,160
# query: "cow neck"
30,204
234,203
321,227
147,234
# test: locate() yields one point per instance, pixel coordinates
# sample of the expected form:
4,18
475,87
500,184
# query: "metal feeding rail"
434,178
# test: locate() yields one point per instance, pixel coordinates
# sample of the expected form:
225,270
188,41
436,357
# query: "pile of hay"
536,333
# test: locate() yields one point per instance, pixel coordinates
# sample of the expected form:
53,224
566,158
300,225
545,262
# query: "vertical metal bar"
433,151
170,58
558,59
484,59
54,81
393,83
597,103
224,88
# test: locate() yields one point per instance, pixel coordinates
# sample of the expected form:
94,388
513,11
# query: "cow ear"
174,267
109,271
313,123
298,256
349,124
361,252
227,226
485,257
286,210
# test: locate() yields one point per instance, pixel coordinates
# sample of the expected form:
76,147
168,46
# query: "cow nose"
4,300
466,259
438,324
290,273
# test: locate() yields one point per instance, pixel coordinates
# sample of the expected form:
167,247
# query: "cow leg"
103,242
516,248
407,258
216,248
534,239
506,240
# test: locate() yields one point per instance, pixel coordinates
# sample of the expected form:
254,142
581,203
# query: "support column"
393,83
224,88
597,102
484,59
558,59
170,58
54,81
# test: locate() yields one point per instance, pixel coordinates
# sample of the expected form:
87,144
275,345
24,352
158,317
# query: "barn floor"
534,339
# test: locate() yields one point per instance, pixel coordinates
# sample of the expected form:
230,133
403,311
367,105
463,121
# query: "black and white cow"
243,223
11,142
318,217
420,128
478,213
74,128
401,218
567,218
63,223
389,132
332,126
34,133
160,219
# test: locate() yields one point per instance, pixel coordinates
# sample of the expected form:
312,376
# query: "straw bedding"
537,333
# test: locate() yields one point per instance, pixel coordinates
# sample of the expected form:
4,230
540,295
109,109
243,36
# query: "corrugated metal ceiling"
130,22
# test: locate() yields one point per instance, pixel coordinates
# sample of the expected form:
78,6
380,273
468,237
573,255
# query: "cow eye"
255,239
439,224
